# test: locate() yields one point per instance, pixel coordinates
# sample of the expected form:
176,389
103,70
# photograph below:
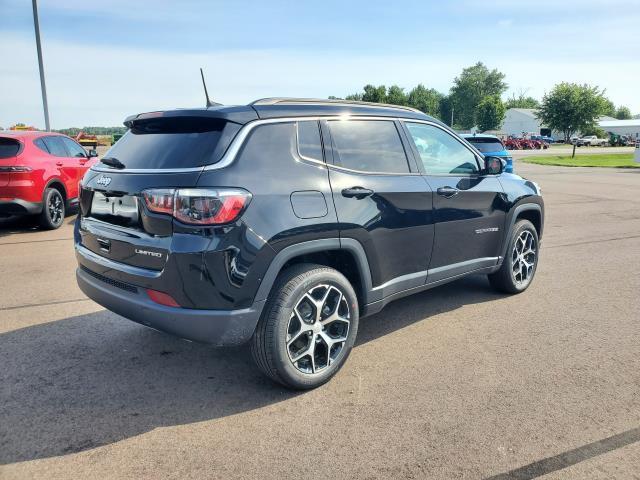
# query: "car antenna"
206,94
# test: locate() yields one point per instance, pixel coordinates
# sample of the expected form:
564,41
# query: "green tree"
521,101
375,94
396,95
623,113
595,130
354,96
470,88
490,113
427,100
570,108
608,108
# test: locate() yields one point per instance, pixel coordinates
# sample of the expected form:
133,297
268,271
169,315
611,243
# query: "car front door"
381,200
469,205
77,160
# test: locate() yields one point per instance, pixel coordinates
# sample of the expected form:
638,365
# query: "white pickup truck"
591,141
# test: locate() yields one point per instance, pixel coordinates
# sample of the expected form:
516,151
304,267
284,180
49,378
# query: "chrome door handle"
357,192
448,192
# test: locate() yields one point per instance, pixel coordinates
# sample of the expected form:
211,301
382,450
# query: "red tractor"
512,143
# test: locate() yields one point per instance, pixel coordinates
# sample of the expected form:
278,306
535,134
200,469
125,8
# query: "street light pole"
43,87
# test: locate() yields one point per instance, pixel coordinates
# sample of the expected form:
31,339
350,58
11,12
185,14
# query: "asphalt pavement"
455,382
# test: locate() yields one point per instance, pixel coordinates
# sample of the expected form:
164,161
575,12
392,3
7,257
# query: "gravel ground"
456,382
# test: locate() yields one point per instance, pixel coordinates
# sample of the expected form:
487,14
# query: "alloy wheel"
318,329
523,258
55,207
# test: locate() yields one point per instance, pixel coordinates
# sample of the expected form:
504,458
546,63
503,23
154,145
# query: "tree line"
475,100
73,131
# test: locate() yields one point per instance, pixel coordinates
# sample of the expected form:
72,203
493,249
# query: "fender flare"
514,215
313,246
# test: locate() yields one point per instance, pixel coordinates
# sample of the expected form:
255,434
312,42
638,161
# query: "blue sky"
107,59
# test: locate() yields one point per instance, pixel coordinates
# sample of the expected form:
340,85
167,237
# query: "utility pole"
451,107
43,87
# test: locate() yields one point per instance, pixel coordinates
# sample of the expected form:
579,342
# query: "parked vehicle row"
39,174
283,222
525,143
590,141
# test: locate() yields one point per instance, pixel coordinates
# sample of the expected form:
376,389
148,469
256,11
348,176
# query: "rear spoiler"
240,114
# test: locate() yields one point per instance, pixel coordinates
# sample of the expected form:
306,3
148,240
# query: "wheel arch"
345,255
528,211
58,185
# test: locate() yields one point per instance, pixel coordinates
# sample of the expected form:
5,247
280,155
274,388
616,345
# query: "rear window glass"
309,144
56,146
9,147
372,146
178,142
486,145
39,142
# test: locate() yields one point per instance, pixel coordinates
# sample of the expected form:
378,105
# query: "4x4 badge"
104,181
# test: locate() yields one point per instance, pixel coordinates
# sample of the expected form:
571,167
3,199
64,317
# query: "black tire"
278,327
507,279
53,209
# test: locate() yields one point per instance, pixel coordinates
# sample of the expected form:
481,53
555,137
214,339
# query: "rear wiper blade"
113,162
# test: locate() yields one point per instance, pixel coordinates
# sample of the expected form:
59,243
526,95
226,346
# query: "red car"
39,174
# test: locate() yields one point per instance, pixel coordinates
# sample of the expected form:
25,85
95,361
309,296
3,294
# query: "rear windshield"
178,142
9,147
486,145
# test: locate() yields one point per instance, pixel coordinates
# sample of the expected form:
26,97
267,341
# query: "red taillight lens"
199,206
160,200
162,298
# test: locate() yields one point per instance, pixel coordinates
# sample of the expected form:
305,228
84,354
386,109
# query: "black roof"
290,107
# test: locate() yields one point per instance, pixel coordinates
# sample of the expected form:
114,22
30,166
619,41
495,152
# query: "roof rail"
321,101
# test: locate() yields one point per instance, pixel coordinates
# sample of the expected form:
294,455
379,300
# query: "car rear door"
469,206
381,200
64,165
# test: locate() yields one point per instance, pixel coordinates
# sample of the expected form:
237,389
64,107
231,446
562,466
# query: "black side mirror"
493,165
93,153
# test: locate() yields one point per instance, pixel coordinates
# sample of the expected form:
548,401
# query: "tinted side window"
369,146
309,144
55,146
9,147
74,149
39,142
440,152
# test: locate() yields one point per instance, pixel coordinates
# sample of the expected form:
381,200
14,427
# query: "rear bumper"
217,327
17,206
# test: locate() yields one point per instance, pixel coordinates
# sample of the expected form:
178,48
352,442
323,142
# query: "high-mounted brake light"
198,206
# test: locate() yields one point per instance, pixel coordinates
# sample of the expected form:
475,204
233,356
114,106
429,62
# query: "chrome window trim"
238,142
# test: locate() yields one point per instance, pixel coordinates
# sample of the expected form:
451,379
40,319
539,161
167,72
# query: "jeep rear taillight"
160,200
198,206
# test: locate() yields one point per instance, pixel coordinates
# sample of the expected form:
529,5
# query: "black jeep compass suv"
285,221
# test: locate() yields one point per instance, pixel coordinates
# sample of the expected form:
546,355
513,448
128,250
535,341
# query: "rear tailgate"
155,153
9,150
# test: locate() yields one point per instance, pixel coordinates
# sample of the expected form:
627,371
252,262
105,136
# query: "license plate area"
116,209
